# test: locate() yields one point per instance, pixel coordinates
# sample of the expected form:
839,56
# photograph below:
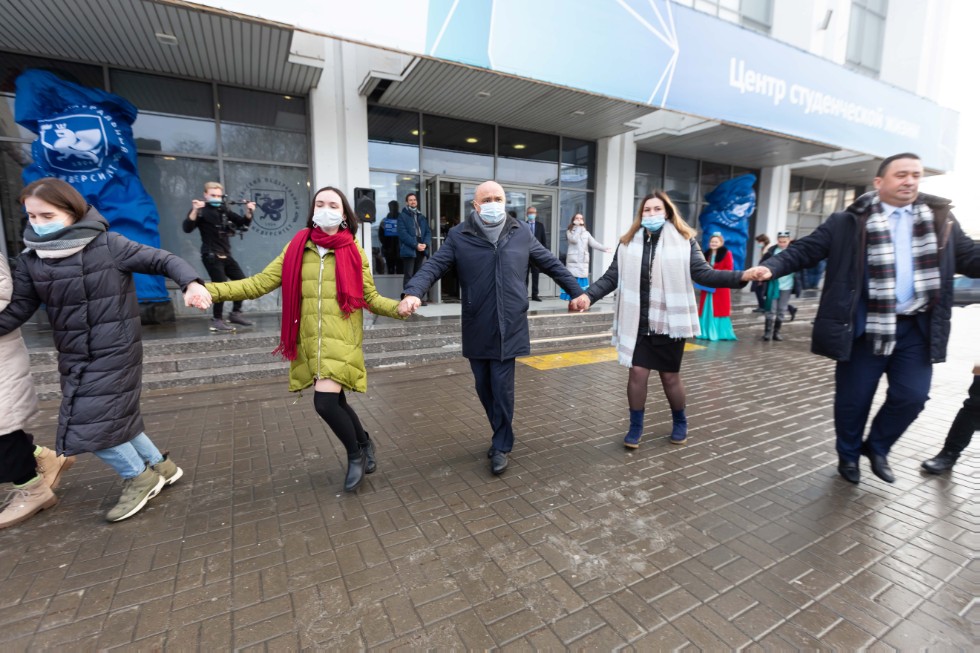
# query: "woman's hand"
197,296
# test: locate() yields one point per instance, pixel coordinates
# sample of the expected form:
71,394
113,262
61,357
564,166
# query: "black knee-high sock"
327,405
362,437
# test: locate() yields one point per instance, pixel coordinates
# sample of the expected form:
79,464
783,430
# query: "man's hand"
758,273
580,303
421,247
250,206
196,205
408,305
197,296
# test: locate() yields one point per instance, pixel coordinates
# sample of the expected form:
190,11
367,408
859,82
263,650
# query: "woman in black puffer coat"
84,276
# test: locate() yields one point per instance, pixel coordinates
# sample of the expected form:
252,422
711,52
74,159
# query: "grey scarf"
491,231
73,236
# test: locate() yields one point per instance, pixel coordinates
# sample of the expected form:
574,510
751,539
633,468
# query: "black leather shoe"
535,299
355,470
880,468
941,463
849,470
498,463
370,462
792,312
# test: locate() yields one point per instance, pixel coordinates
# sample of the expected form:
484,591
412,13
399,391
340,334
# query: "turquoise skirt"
582,281
715,328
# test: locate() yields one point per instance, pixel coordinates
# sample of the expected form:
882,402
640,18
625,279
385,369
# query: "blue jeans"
131,458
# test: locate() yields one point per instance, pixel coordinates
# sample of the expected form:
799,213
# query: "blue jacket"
491,278
408,239
842,240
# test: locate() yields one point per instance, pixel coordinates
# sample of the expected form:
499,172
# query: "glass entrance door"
519,201
447,203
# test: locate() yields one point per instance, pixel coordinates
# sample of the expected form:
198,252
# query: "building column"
772,204
338,126
615,179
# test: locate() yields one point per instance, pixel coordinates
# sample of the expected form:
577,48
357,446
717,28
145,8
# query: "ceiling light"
415,132
578,112
472,140
406,178
166,39
483,94
287,97
721,143
519,146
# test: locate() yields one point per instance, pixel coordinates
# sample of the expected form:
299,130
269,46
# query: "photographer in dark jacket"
491,254
217,224
886,304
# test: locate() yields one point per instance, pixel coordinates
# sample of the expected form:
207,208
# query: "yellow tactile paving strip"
583,357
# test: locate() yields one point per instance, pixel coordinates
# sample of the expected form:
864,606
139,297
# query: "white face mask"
492,212
327,218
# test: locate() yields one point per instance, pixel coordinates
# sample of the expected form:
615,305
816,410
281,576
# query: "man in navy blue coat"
491,253
885,306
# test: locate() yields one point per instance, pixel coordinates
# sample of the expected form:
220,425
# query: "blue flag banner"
85,137
730,204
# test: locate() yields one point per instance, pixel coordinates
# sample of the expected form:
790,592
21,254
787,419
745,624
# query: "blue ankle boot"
678,434
632,439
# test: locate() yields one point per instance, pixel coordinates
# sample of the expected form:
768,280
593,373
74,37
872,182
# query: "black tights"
639,379
341,418
17,462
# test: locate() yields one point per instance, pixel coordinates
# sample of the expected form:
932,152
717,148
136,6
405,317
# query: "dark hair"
415,195
671,213
571,223
883,168
392,205
57,193
762,238
349,216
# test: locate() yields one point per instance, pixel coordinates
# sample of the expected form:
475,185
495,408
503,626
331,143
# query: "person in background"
961,431
389,239
652,272
414,237
34,471
326,285
217,223
577,255
715,307
758,287
537,231
83,274
778,291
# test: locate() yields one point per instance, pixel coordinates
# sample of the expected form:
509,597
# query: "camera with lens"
227,226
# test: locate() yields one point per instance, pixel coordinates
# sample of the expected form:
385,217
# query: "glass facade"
866,35
554,173
812,200
187,133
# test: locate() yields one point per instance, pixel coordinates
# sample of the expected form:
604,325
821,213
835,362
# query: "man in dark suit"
537,230
885,307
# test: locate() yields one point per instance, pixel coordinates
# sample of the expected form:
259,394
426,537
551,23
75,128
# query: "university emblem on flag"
74,143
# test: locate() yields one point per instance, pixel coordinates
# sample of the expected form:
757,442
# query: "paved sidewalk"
743,538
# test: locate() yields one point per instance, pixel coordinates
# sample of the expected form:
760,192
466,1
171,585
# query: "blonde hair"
213,184
672,215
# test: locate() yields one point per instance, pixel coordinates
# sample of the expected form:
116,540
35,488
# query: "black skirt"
659,352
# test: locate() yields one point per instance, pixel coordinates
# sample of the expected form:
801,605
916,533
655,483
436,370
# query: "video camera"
227,225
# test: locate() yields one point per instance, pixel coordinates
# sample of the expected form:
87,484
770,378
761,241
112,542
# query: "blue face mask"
531,217
492,212
214,202
653,222
48,229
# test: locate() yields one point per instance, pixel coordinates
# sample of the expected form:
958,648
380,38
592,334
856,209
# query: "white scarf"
672,309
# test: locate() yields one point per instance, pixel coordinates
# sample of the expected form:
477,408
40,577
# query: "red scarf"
350,281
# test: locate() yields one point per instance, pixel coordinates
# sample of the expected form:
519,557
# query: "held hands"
580,303
197,296
758,273
408,305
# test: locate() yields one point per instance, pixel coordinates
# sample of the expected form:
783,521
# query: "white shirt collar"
889,209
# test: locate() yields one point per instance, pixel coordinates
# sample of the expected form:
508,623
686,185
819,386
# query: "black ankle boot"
941,463
355,470
370,463
775,330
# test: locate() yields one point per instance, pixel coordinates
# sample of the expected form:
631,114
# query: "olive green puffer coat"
329,344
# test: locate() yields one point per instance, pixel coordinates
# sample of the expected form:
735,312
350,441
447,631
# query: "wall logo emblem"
277,209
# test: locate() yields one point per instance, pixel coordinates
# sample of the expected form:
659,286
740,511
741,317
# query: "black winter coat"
491,278
842,240
91,304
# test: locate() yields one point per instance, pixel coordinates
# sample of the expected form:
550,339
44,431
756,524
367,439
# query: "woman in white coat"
577,257
33,470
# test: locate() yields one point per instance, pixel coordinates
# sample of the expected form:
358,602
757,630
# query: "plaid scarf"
881,272
673,311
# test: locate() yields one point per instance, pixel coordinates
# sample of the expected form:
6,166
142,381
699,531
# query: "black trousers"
222,269
17,464
495,388
411,265
966,422
533,272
